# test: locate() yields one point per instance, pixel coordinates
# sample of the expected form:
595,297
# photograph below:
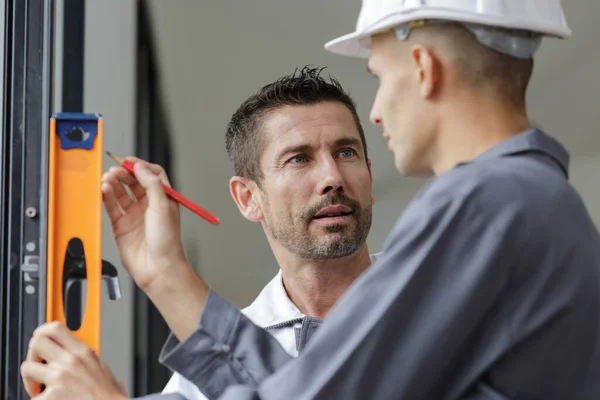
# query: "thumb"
122,387
152,183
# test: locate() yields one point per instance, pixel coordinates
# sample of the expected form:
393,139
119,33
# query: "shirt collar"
273,306
531,140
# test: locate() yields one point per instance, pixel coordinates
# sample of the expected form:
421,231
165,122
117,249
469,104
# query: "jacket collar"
531,140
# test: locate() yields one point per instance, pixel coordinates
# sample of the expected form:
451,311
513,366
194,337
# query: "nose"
375,114
332,179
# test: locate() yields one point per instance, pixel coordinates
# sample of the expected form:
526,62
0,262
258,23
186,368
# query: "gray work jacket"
487,288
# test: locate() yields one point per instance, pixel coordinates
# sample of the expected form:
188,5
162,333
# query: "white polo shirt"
272,310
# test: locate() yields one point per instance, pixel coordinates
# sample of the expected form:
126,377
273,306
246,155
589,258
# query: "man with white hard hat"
488,287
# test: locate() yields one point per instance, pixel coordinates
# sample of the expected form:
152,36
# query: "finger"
43,348
131,181
64,337
155,168
122,386
157,197
50,394
122,197
140,192
33,374
137,190
112,206
72,391
78,353
117,177
120,175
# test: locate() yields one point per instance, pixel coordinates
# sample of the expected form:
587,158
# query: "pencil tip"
115,158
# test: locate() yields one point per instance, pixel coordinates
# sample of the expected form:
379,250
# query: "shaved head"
496,74
432,82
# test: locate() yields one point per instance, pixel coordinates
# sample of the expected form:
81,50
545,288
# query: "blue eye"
346,153
298,159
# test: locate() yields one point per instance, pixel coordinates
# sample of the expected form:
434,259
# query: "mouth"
337,213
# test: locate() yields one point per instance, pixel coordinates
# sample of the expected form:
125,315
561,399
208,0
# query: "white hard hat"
515,17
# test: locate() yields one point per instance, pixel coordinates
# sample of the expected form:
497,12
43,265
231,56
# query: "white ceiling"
245,44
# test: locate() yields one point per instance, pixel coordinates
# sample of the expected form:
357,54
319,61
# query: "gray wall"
109,90
214,55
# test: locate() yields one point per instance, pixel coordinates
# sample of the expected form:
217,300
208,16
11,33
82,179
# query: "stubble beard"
340,240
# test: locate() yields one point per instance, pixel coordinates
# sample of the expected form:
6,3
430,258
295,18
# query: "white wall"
109,89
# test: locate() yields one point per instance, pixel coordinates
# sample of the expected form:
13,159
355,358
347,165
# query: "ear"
371,181
243,192
427,71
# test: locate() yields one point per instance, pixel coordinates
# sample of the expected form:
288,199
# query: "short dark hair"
304,86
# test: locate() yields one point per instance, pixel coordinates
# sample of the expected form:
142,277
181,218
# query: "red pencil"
173,194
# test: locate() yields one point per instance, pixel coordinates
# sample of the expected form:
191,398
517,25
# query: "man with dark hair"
301,170
302,88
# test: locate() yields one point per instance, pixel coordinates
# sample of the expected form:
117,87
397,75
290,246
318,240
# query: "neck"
474,127
314,286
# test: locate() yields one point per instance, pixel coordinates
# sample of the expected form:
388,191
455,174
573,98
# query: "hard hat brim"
351,44
358,44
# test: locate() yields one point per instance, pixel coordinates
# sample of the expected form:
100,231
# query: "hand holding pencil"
145,224
173,194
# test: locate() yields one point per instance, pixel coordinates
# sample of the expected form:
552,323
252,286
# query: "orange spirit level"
75,219
74,236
